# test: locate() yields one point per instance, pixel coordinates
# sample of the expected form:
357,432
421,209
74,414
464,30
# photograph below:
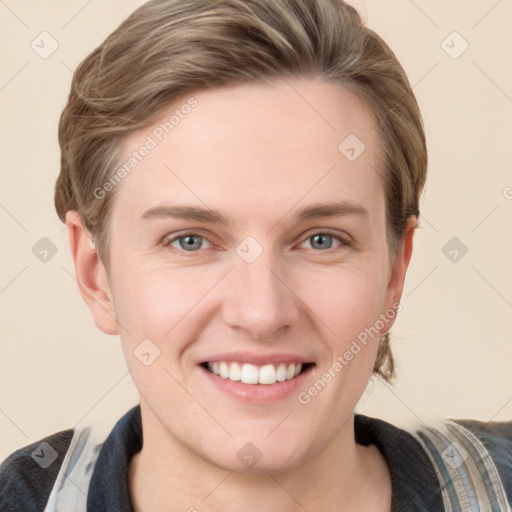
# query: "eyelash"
342,241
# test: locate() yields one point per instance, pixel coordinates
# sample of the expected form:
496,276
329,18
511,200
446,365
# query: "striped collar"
415,487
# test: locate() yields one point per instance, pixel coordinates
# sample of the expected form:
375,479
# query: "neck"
344,476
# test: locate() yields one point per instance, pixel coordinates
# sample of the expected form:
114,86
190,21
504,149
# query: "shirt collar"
414,483
415,487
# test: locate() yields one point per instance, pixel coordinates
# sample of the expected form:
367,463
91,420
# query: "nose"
260,299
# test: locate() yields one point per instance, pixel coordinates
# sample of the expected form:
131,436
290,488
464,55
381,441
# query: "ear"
398,271
91,274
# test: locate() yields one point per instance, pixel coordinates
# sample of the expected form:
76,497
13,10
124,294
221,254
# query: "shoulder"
472,460
28,475
496,437
415,486
445,463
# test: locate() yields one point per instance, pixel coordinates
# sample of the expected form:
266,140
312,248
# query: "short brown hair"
168,48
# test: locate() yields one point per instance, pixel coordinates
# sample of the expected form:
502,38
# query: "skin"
258,154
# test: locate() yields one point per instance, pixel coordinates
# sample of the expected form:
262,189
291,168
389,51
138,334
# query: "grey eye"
190,242
321,241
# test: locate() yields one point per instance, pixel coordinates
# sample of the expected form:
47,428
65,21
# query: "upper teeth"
252,374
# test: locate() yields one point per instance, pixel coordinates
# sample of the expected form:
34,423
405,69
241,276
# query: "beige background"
453,338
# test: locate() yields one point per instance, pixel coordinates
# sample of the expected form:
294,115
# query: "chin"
261,455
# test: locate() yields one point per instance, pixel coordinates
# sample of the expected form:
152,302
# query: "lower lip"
258,393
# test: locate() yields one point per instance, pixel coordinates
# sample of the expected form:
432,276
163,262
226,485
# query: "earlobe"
399,270
91,274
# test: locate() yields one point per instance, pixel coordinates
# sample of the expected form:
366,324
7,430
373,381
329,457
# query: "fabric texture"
497,439
25,482
469,478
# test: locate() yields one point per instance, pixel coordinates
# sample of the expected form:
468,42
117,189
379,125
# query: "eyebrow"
319,210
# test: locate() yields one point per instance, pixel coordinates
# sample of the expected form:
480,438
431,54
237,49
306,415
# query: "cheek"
346,305
345,300
164,306
155,309
153,301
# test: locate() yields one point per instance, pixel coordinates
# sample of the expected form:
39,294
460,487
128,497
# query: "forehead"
255,148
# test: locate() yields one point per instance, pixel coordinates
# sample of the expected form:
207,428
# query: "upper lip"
258,359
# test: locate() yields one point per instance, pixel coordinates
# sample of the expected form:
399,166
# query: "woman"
241,183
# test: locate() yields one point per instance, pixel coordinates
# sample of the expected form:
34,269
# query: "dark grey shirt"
26,486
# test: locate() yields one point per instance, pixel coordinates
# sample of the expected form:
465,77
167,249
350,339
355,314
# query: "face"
247,245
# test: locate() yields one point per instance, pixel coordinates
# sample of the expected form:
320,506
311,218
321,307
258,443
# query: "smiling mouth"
247,373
